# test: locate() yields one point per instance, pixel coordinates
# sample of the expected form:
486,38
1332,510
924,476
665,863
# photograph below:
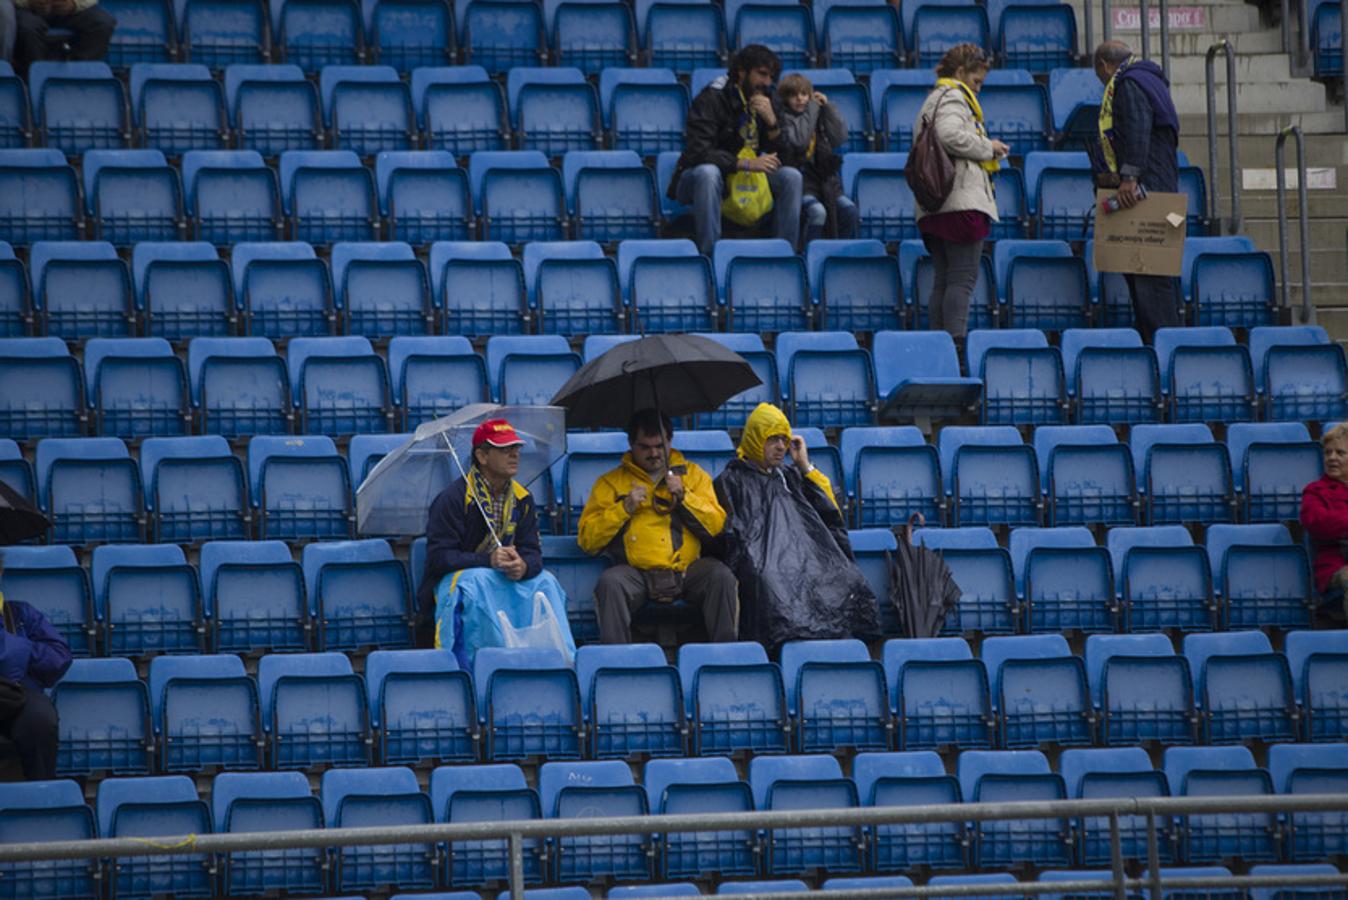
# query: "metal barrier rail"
1151,808
1303,216
1232,225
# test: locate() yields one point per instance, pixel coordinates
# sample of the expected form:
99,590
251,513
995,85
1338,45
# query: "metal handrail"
1165,38
1232,225
1303,216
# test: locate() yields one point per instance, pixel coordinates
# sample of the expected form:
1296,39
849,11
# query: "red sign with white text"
1182,18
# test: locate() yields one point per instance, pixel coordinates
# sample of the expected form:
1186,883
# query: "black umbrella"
678,374
19,519
920,585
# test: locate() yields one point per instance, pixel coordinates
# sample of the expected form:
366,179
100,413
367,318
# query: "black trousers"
92,29
35,732
1156,302
707,584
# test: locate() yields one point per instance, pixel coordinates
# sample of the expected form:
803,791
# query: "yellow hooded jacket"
651,539
765,421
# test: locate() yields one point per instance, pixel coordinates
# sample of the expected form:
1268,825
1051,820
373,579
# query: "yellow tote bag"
749,198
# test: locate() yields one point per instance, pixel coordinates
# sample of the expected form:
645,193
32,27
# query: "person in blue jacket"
33,657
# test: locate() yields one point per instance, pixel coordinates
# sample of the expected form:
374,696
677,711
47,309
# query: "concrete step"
1249,67
1293,95
1252,122
1257,151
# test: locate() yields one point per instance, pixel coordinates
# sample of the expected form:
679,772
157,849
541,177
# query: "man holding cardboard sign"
1138,161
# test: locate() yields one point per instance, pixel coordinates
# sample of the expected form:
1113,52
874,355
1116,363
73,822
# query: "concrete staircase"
1270,95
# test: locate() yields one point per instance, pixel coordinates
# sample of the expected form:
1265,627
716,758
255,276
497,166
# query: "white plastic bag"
543,632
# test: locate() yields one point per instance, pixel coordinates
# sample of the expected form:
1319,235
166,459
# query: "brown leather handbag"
930,171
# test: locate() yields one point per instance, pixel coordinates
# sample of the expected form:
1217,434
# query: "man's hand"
767,163
675,484
820,98
1128,195
501,556
761,104
1000,149
800,454
509,563
635,497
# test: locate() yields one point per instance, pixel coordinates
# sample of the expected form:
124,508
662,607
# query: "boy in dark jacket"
812,130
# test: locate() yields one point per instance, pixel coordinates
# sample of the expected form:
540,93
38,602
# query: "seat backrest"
554,777
275,666
1048,438
1025,541
1240,435
53,450
1285,759
1221,538
229,787
1076,763
974,764
1300,646
1100,648
116,793
215,554
998,650
1199,648
660,774
766,771
901,355
1178,762
446,781
956,437
164,669
1143,437
341,785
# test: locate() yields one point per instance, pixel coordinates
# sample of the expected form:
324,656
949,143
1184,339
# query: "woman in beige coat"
955,233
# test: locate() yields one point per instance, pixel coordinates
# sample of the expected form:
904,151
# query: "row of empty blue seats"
620,701
170,806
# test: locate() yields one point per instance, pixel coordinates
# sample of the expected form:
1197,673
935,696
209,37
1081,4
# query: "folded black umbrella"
921,585
19,519
678,374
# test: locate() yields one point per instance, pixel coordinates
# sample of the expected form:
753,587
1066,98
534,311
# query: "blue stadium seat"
642,891
896,97
314,34
239,386
461,109
220,33
358,595
825,457
182,290
588,457
283,289
104,713
1111,376
15,471
368,109
590,34
939,694
1326,40
158,806
1142,689
735,699
1163,580
1115,772
1182,474
424,195
733,412
1008,187
273,108
934,26
132,196
195,489
837,695
598,789
855,284
328,196
16,123
145,32
999,776
231,196
178,108
16,308
268,801
1244,689
421,707
1022,377
681,34
1213,893
866,883
41,197
1018,115
529,702
709,449
991,477
313,710
367,450
988,600
1311,769
762,285
253,597
1065,580
573,287
502,34
578,573
644,109
147,598
632,699
1300,372
309,495
862,37
826,379
890,473
885,203
518,195
137,385
790,885
806,782
710,785
1228,282
1040,690
1270,463
553,110
666,286
528,369
909,779
81,289
41,389
1264,579
386,797
408,34
1205,376
381,289
481,287
1317,660
53,582
1042,283
1060,194
782,27
1074,95
1223,772
90,488
78,106
205,713
917,377
433,376
610,195
1289,892
488,793
1086,474
339,385
1037,35
42,811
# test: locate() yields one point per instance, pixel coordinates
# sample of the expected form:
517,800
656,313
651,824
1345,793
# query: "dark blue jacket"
1145,142
455,528
35,653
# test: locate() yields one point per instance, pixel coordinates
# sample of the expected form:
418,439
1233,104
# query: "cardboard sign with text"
1145,240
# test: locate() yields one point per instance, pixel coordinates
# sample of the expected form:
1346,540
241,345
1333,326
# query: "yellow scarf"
988,165
1107,118
504,524
749,130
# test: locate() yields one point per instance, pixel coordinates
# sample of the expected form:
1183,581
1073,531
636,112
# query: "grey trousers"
955,273
707,583
1155,303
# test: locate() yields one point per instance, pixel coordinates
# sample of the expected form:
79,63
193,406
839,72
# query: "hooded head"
764,422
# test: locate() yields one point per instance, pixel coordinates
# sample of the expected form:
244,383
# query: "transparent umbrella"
396,496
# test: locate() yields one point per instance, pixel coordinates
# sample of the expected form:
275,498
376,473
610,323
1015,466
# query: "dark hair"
969,57
754,56
648,421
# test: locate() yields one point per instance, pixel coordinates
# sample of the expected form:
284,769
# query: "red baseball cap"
496,433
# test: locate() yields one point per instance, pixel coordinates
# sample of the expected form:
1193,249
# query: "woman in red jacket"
1324,514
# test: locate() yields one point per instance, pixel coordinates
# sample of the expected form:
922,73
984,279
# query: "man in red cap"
484,528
